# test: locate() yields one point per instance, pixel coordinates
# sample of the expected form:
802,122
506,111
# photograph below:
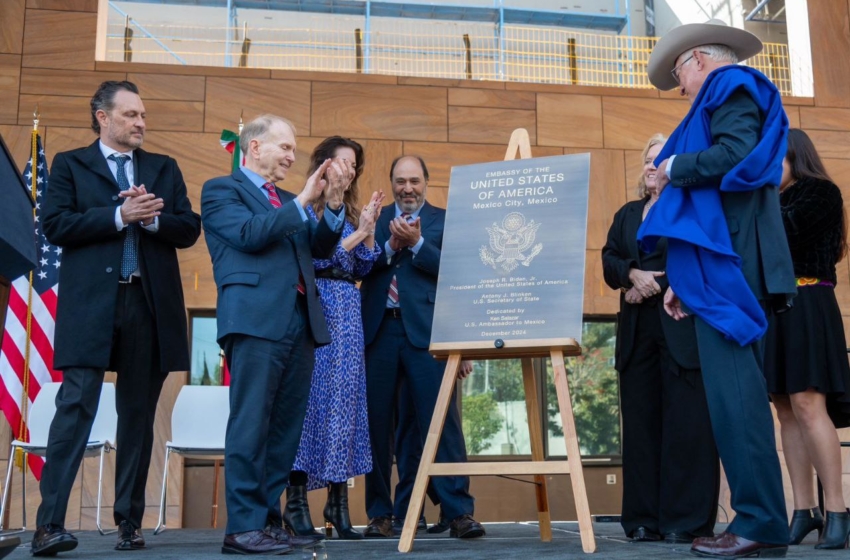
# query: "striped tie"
392,293
275,201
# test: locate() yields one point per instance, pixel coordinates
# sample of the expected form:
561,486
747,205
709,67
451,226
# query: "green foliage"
594,388
481,420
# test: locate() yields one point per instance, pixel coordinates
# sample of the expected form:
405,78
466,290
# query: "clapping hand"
315,185
139,206
404,233
369,213
340,174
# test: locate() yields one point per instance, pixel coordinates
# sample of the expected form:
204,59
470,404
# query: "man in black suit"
398,309
690,58
270,319
120,304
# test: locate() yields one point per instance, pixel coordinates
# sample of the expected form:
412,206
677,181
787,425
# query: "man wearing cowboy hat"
728,259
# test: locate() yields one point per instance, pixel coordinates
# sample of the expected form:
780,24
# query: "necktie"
129,256
275,201
392,293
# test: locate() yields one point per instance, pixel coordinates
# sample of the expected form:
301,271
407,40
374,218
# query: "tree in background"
481,421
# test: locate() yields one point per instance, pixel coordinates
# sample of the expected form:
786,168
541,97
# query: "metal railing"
458,50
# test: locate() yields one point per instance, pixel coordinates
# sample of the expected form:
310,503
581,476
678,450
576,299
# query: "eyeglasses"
675,71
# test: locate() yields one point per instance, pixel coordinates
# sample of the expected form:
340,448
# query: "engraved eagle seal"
509,243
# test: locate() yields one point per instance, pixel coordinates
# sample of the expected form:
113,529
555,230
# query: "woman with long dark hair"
335,441
808,376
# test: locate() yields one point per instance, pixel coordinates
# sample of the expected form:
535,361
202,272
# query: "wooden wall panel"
10,84
489,126
831,144
68,5
379,155
441,157
607,177
12,26
825,118
629,123
18,139
79,83
55,110
830,68
61,139
599,299
493,98
634,169
169,86
378,111
63,40
187,116
569,120
793,114
227,98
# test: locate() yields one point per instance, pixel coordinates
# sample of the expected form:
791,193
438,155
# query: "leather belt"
131,280
394,312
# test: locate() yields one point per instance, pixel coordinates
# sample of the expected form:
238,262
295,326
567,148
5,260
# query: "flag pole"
22,427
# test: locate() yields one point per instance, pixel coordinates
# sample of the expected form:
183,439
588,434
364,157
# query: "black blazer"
417,278
79,216
753,217
621,254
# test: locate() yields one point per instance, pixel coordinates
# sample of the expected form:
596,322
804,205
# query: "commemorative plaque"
513,255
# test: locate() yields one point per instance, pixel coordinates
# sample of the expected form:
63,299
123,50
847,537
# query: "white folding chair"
40,416
198,427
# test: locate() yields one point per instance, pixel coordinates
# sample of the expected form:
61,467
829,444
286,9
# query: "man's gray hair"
718,53
258,128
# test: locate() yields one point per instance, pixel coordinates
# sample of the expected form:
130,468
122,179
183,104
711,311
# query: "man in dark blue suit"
269,320
398,309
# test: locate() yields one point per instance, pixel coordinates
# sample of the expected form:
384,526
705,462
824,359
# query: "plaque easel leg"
559,370
535,430
429,453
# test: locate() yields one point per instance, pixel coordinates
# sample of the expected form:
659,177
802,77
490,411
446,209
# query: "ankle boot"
803,522
336,512
296,515
836,531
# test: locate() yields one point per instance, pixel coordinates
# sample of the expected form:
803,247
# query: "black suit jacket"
417,278
754,218
257,254
79,216
620,255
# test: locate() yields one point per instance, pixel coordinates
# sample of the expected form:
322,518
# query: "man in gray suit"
723,165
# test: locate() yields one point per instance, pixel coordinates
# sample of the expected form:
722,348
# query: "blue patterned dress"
335,442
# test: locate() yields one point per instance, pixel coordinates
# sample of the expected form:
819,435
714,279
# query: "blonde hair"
654,140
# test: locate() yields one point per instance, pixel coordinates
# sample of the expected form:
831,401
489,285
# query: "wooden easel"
556,349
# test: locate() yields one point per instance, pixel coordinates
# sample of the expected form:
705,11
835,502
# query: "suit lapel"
93,159
252,189
426,216
633,220
387,215
146,169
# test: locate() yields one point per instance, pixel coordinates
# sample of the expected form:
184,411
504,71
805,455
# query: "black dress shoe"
729,545
253,542
465,527
440,527
836,533
380,527
398,525
129,537
51,539
642,534
674,537
294,541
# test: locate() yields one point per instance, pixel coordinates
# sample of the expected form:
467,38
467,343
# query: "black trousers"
671,473
389,359
136,359
269,388
743,428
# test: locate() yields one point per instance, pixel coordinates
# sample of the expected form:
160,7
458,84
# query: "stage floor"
512,541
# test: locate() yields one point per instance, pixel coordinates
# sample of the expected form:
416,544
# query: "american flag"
34,305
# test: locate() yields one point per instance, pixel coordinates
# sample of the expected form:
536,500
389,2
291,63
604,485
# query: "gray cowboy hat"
686,37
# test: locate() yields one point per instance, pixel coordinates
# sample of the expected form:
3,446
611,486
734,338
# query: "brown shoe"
728,545
253,542
465,527
379,528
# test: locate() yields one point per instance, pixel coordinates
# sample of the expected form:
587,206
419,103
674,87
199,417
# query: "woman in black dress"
806,366
670,467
